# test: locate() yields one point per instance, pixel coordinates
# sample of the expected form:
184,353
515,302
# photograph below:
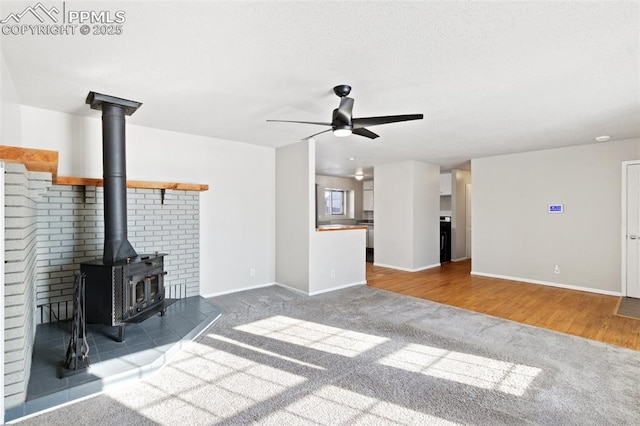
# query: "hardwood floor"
588,315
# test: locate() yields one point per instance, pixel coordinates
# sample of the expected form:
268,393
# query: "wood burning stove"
123,286
125,291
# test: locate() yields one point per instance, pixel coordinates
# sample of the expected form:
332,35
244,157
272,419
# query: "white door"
632,236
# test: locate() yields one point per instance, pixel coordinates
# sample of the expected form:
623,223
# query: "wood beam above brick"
40,160
35,160
70,180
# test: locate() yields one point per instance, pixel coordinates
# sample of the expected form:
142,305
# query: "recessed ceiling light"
352,158
603,138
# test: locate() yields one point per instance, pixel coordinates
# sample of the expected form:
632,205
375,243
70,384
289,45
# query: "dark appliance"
123,286
445,241
128,287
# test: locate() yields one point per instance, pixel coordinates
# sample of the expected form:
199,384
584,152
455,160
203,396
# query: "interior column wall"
295,195
393,215
459,214
426,215
406,215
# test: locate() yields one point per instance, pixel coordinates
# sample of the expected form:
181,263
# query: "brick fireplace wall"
51,229
22,191
71,230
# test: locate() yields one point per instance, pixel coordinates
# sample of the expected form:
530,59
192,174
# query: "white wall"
237,218
295,192
307,260
10,119
407,215
393,214
337,260
514,237
426,215
459,214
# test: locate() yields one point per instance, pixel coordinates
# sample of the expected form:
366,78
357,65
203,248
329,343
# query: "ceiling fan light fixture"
342,131
359,176
343,123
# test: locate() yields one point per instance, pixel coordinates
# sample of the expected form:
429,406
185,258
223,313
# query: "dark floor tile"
46,401
195,317
202,305
182,331
166,332
45,382
167,340
134,330
136,339
85,389
15,413
109,346
116,353
81,378
141,346
144,344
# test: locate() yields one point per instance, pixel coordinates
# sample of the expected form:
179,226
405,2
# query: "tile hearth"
147,347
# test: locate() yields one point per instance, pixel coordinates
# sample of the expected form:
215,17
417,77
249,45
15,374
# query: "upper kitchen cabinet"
445,184
367,200
367,195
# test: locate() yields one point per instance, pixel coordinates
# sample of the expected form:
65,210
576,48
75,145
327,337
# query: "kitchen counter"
339,227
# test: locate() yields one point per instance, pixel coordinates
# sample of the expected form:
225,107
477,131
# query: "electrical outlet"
252,272
556,269
333,273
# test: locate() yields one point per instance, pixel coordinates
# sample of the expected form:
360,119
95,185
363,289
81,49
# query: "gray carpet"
366,356
629,307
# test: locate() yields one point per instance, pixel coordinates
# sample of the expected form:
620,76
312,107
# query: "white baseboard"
399,268
221,293
548,283
314,293
293,289
460,259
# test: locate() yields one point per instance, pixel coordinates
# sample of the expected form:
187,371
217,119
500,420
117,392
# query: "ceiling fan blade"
359,123
302,122
364,132
316,134
343,113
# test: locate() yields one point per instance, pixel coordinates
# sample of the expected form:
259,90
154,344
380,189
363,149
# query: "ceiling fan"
343,124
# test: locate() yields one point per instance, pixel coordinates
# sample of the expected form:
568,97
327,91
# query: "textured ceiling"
490,77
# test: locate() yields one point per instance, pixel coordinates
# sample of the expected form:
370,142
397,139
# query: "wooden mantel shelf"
79,181
35,160
40,160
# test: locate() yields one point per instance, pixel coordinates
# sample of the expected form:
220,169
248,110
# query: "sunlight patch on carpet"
262,351
313,335
191,385
473,370
332,405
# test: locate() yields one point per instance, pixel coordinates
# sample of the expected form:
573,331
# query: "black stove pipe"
116,244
